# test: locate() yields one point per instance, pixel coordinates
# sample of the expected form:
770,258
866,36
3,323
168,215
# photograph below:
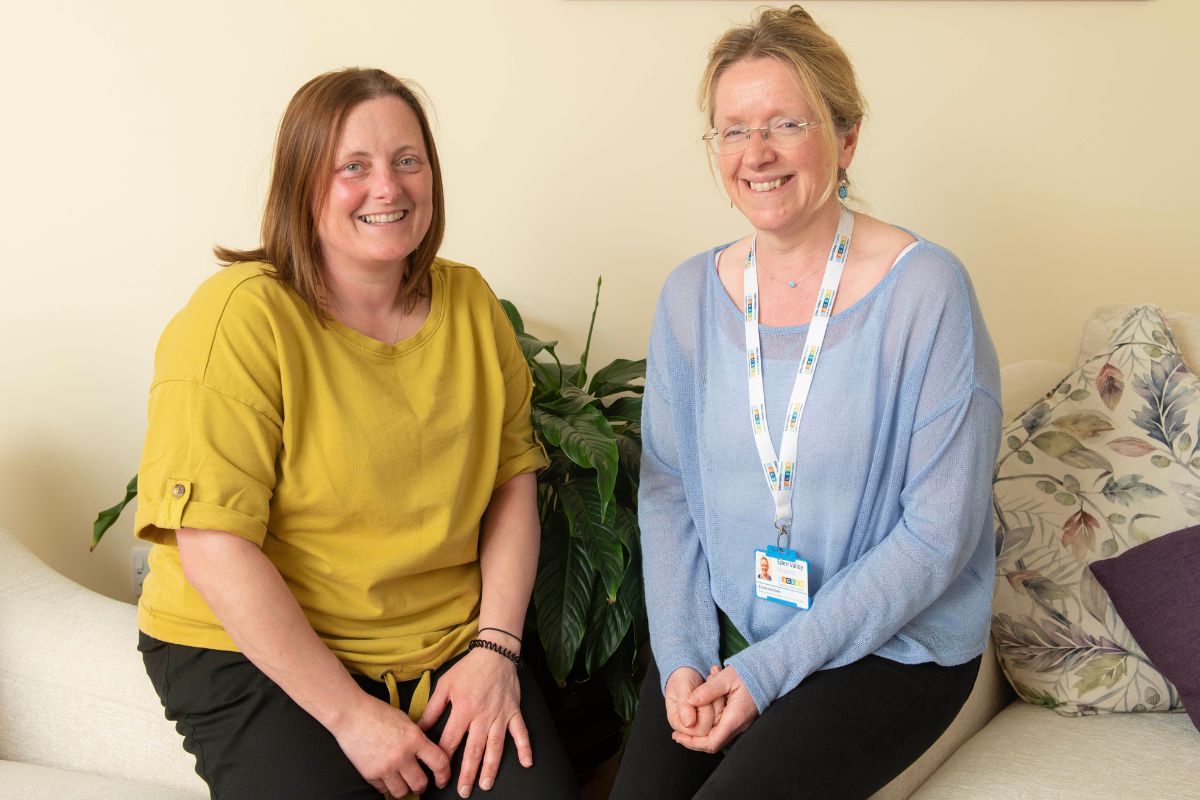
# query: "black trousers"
252,742
841,734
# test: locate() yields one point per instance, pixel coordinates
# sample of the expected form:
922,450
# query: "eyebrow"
363,153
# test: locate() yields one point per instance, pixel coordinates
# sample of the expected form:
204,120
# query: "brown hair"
304,152
823,69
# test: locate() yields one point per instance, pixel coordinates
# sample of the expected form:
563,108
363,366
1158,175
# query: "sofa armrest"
73,692
989,697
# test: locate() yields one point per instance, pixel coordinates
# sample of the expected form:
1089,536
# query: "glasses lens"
788,130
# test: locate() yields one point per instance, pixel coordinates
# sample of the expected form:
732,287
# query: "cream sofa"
78,718
1002,747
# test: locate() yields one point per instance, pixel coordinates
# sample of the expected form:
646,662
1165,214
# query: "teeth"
378,218
766,187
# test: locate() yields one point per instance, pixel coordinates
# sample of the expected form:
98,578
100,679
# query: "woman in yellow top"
338,477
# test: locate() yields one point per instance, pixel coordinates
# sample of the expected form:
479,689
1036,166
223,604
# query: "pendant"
791,284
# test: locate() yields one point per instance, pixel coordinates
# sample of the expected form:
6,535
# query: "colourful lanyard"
779,469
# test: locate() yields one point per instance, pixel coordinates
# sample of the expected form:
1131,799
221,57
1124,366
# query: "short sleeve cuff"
531,460
157,521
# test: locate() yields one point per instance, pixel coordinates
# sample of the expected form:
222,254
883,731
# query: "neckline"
717,286
437,311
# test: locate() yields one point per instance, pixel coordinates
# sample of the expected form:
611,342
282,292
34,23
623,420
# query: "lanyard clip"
784,540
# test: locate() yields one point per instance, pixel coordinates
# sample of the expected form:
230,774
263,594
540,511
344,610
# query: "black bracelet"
496,648
501,630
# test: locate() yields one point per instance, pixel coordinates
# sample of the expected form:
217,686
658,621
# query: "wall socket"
141,568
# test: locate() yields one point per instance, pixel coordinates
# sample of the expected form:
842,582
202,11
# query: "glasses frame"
714,143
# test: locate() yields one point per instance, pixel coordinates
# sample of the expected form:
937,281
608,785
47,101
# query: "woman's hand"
485,704
738,712
387,748
684,716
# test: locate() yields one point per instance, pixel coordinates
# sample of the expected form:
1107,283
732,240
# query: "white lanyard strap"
779,469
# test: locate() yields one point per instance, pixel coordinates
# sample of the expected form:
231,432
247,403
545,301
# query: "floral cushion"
1107,460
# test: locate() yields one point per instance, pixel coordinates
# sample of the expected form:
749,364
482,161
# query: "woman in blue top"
822,394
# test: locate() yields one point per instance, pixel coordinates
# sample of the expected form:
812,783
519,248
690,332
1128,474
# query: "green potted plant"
588,614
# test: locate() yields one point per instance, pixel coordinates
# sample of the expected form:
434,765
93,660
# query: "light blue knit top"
892,502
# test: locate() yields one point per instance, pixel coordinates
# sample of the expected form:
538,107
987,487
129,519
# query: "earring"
843,190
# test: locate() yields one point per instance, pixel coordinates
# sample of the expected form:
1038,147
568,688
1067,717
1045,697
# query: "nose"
758,148
386,185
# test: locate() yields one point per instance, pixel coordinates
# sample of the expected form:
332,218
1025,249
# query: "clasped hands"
483,696
705,715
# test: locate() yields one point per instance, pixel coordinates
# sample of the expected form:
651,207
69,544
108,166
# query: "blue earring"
843,192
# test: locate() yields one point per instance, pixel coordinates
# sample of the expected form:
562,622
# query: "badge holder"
780,575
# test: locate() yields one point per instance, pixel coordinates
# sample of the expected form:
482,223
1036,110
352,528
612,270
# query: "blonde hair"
821,66
304,152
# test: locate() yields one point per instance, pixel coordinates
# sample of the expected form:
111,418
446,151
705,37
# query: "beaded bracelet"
496,648
501,630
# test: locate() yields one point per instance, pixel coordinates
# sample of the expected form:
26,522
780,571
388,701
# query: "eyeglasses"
781,131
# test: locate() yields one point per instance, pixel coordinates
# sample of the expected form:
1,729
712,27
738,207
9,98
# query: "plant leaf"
628,409
732,641
531,345
1084,424
626,529
617,674
561,593
1110,383
607,625
618,377
587,439
109,516
594,527
1067,449
514,316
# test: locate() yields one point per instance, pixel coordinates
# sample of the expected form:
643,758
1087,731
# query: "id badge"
781,576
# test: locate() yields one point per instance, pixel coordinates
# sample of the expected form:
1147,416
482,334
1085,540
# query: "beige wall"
1048,143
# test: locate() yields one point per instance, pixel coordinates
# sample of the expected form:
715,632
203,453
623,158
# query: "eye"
734,132
788,124
353,168
409,163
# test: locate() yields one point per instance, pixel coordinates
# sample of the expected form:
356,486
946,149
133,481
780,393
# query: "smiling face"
778,186
379,200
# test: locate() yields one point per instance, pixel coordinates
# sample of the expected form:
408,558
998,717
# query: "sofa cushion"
21,780
1101,463
1027,753
1153,587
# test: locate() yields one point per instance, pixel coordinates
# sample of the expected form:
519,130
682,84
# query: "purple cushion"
1155,587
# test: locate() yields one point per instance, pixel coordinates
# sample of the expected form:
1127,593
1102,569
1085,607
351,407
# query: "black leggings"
252,741
841,734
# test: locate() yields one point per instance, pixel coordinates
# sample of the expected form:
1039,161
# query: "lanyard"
779,469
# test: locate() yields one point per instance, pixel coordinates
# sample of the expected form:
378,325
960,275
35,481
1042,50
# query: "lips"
382,219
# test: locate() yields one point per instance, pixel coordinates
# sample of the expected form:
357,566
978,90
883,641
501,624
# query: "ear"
847,144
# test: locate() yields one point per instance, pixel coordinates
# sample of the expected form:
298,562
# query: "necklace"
792,283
